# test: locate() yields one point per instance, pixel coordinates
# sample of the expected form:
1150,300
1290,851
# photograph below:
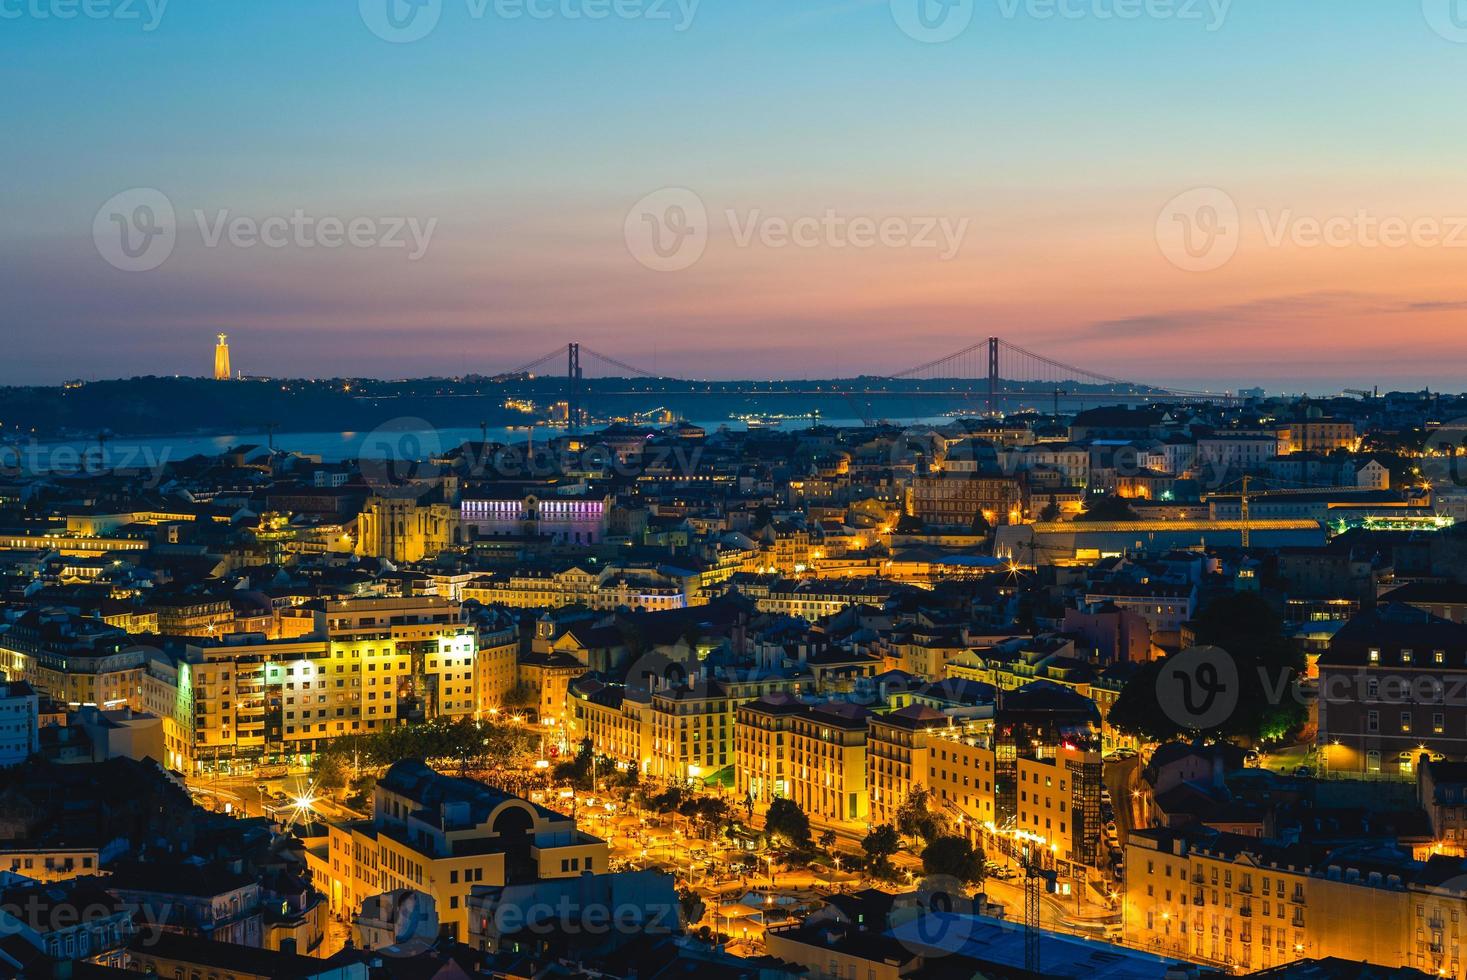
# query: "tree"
577,771
953,856
668,801
916,818
692,906
328,772
880,844
1106,509
787,821
520,696
1051,511
763,516
826,840
980,524
1267,663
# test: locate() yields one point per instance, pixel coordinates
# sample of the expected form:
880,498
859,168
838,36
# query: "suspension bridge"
994,371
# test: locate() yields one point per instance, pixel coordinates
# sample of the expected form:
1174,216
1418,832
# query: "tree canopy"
1268,665
953,856
788,822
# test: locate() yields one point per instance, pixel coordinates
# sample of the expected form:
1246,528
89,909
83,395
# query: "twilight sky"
869,200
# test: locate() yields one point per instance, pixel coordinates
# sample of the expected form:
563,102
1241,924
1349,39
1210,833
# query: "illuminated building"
762,747
187,615
568,519
74,660
784,549
675,732
1249,904
614,718
898,754
367,665
1318,435
813,599
610,588
406,529
445,837
1386,686
221,359
959,500
812,754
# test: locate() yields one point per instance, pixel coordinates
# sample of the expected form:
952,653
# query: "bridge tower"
992,376
573,386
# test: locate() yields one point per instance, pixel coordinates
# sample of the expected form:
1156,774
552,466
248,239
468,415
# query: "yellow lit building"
608,589
614,718
407,529
1240,902
368,664
898,756
445,836
827,762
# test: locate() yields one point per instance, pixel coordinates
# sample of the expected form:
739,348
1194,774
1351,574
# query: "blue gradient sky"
1060,141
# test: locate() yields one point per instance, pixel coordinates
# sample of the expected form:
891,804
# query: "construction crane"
1364,395
1035,876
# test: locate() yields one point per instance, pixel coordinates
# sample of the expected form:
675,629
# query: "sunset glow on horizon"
869,201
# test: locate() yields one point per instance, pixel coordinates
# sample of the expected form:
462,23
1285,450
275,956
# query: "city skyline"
1028,177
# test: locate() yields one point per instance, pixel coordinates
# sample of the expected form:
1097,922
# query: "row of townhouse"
673,732
1015,777
1247,904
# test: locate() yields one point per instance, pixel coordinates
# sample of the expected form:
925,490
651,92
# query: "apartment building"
75,660
959,500
604,590
898,753
1390,687
1321,435
675,731
813,599
19,723
761,747
812,754
1248,904
614,718
229,703
444,836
